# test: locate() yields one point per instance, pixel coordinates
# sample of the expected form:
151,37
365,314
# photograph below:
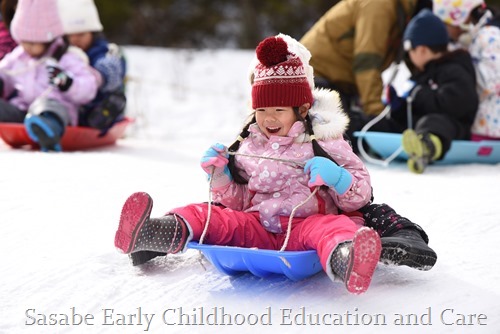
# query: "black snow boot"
407,248
355,261
404,243
149,237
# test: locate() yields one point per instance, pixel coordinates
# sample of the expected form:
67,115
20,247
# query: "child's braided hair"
317,149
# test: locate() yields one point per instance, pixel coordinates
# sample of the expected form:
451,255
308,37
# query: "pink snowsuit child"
44,81
291,156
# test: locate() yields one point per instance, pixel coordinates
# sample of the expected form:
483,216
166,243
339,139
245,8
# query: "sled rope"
290,219
387,109
289,227
364,154
367,126
209,213
297,163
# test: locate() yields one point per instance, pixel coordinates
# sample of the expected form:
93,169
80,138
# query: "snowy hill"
59,213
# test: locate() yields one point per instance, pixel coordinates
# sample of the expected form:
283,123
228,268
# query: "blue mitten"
323,171
214,163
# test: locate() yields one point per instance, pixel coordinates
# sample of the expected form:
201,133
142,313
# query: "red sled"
75,138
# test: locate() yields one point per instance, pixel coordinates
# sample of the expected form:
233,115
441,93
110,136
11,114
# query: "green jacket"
355,41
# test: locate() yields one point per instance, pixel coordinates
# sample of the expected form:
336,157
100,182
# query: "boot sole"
141,257
135,212
400,254
365,254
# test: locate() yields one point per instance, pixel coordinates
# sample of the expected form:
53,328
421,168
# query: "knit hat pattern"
79,16
455,12
425,29
36,21
279,78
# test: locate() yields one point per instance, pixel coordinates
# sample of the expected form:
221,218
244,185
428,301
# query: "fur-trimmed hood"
329,120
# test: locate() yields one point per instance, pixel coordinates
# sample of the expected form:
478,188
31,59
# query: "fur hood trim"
329,120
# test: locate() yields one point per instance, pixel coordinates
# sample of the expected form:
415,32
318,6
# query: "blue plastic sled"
261,262
461,151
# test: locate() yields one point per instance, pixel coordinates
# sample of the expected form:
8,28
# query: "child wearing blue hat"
444,97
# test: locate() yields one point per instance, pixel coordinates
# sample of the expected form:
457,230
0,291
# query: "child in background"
444,97
473,26
83,29
292,146
43,81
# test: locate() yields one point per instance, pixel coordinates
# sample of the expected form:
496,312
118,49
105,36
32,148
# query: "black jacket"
447,86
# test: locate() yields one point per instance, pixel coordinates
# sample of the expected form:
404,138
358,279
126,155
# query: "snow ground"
59,213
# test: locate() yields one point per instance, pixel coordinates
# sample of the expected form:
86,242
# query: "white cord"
364,130
387,109
290,219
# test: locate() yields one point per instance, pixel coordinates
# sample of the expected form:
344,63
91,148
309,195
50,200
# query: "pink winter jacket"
28,78
274,187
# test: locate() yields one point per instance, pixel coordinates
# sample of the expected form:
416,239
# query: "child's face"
83,40
35,50
419,56
277,121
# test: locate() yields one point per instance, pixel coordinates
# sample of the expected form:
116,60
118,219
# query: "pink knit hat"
36,21
280,77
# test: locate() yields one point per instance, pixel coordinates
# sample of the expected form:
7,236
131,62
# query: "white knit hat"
305,56
79,16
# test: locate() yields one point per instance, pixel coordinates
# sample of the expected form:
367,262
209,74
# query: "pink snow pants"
243,229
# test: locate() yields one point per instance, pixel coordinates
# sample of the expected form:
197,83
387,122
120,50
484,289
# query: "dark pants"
350,105
445,127
10,113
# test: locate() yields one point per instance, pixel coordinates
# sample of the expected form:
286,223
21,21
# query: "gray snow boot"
355,261
145,238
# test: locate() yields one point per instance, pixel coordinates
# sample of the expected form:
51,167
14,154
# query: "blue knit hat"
425,29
